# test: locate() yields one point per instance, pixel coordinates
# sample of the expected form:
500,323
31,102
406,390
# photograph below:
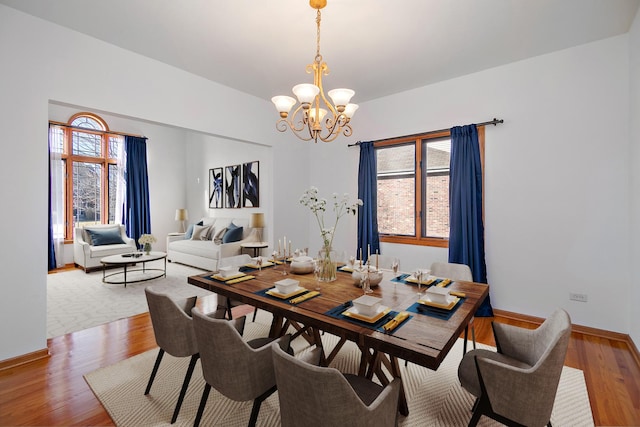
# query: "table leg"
125,275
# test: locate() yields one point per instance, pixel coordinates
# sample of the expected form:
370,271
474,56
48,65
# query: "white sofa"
88,256
205,254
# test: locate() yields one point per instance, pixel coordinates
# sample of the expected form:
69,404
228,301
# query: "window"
88,152
413,188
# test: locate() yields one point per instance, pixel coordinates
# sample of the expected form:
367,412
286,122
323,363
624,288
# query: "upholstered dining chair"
173,330
311,395
517,384
240,370
462,272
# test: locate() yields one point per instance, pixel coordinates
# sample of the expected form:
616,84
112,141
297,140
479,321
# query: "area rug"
435,398
77,300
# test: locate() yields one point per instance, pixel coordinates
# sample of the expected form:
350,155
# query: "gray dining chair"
312,396
517,384
240,370
174,334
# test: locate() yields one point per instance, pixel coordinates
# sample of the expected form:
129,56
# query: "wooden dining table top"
423,339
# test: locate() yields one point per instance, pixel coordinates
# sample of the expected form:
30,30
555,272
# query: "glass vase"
147,248
327,260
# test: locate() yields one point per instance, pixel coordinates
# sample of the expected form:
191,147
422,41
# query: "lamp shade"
256,220
182,214
306,92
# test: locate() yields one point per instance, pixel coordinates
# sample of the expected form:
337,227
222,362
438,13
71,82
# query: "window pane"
87,123
396,190
86,193
436,188
114,146
56,140
113,185
86,144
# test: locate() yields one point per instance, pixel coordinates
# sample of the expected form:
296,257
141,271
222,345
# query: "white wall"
634,164
43,62
557,176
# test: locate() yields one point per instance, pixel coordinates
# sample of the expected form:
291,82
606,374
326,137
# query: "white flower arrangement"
147,239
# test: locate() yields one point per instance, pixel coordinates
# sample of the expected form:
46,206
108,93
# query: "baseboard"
585,330
24,359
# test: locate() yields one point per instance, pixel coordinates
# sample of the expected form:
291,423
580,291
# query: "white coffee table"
140,274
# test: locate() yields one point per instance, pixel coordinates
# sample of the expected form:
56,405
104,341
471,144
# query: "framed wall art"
216,188
251,184
232,188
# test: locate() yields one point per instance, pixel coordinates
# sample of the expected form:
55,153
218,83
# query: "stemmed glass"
259,261
316,273
395,265
352,262
365,283
418,275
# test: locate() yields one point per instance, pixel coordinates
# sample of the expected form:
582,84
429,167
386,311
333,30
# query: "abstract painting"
251,184
215,188
232,186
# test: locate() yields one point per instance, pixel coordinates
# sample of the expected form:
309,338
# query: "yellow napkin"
458,294
444,283
240,279
304,297
395,322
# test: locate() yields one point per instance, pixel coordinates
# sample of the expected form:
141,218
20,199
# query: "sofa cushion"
233,234
201,248
219,234
200,232
106,236
189,232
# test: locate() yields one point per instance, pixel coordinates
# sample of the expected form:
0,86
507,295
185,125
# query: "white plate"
275,293
353,312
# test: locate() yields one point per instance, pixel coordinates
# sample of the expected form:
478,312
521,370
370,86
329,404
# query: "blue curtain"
137,219
466,235
368,237
52,253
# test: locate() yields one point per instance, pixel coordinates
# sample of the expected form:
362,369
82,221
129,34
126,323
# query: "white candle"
368,253
284,246
278,246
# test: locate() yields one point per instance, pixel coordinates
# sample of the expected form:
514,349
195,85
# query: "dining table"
425,335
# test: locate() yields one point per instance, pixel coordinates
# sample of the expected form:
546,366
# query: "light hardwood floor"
53,392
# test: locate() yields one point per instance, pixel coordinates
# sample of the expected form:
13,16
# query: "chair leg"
473,334
154,371
255,311
464,345
256,405
203,403
185,385
229,314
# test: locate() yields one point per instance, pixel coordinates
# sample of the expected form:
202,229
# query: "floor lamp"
182,215
257,223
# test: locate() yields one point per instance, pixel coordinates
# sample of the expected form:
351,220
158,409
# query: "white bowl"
437,295
302,265
375,276
367,305
228,271
286,286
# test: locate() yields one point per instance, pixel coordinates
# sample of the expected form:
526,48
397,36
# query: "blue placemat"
438,313
264,293
336,313
403,279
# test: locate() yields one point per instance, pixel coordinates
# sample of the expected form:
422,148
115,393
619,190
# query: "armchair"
517,384
92,243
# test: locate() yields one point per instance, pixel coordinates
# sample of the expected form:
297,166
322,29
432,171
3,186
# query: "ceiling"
375,47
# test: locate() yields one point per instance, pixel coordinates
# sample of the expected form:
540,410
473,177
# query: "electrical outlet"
578,297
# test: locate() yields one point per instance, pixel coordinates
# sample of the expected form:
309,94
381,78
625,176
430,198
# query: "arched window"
89,156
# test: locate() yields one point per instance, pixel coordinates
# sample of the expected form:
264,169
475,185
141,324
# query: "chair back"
452,271
172,323
318,396
229,364
235,261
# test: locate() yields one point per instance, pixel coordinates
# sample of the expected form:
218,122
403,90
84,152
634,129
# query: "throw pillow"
217,239
189,232
199,232
110,236
233,234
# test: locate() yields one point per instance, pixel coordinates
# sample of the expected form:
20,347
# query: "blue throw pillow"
105,237
233,234
189,232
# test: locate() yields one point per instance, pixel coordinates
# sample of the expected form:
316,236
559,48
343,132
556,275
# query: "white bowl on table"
286,286
367,305
375,276
438,295
228,271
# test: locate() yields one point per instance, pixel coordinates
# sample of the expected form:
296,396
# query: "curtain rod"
490,122
64,125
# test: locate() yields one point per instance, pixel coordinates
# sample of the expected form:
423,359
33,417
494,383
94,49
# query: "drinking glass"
316,273
365,283
259,261
352,262
395,265
418,275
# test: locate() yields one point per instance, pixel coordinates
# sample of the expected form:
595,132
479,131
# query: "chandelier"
316,118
